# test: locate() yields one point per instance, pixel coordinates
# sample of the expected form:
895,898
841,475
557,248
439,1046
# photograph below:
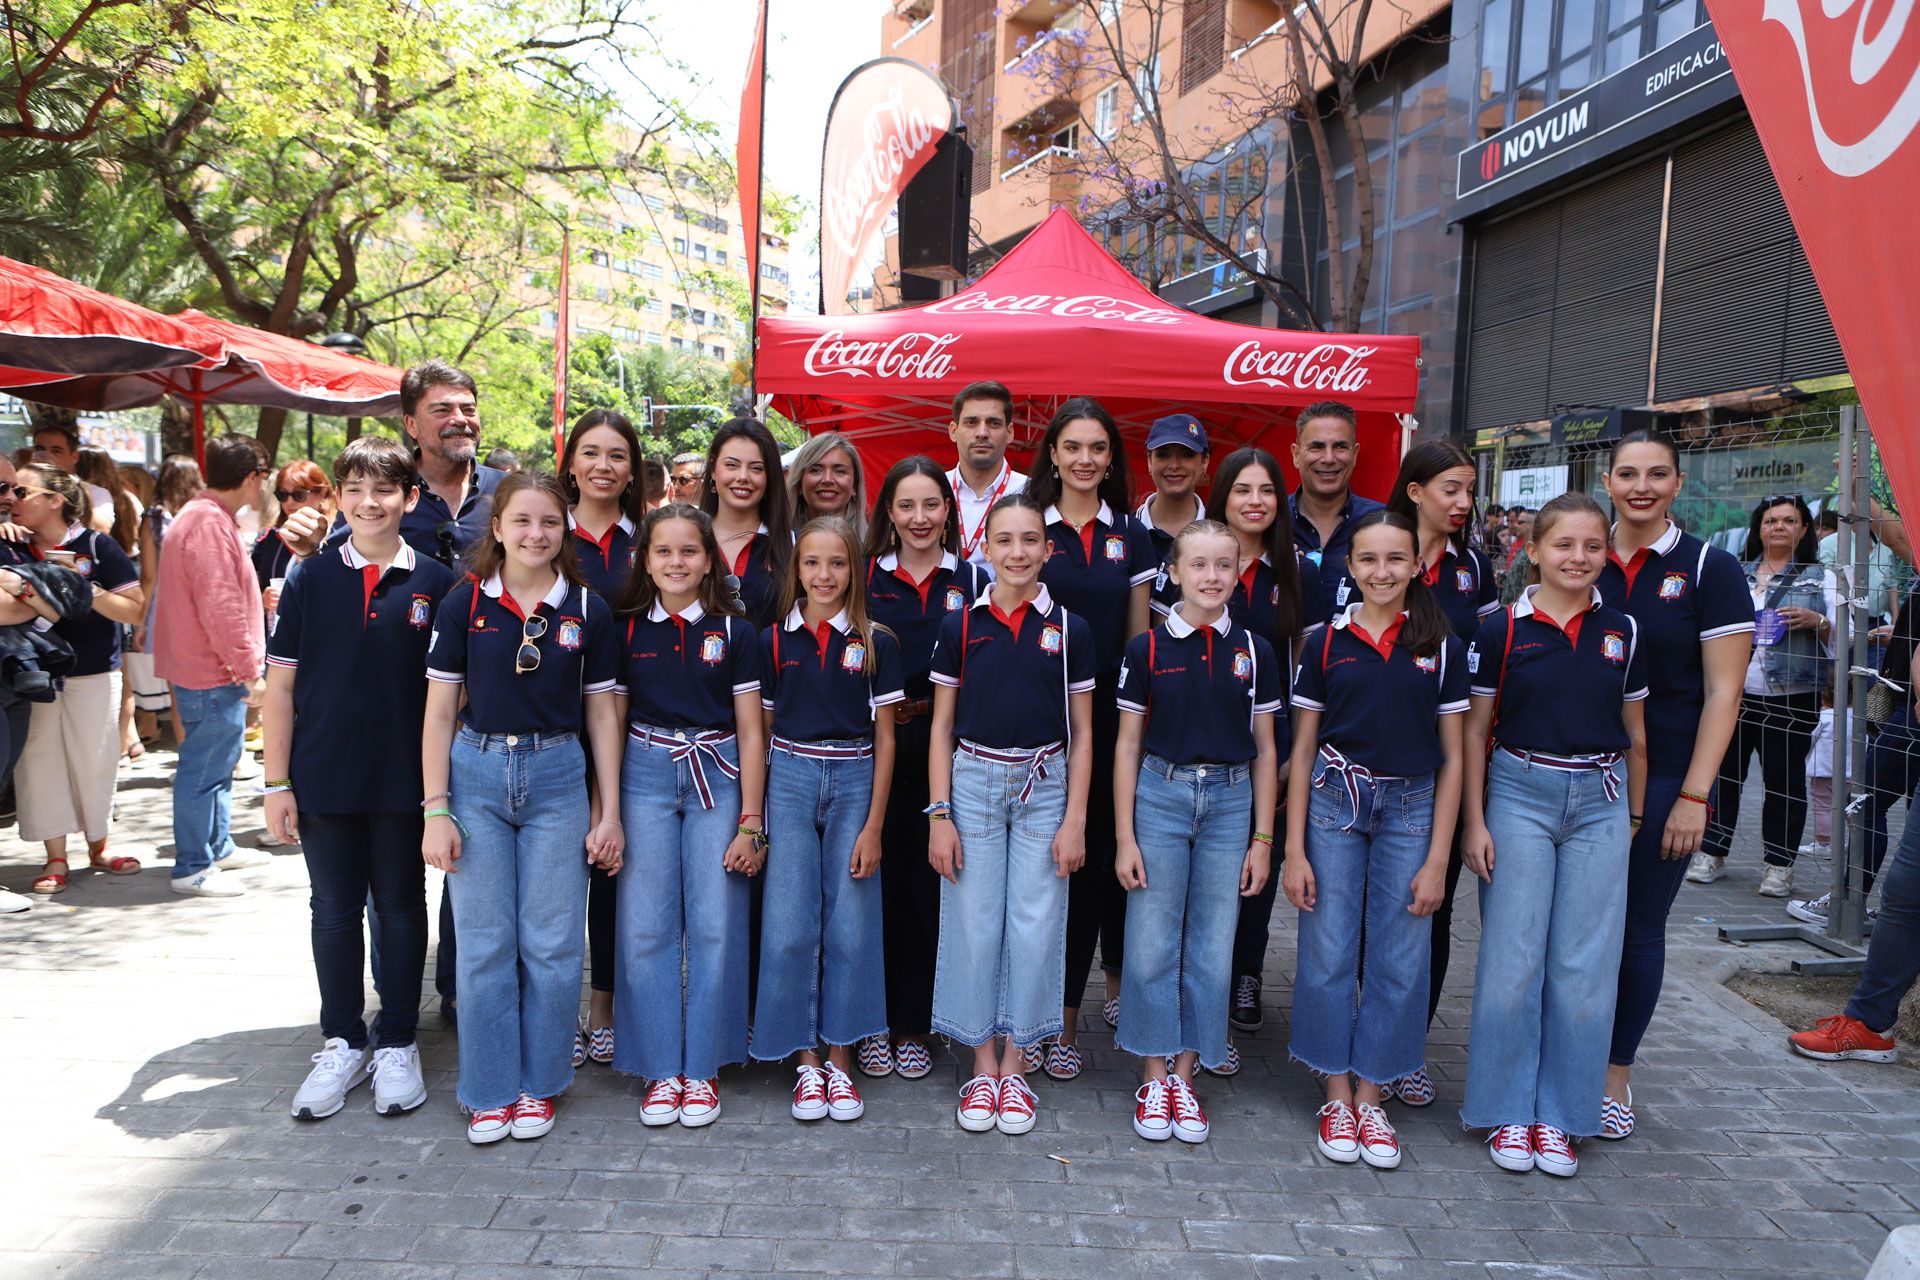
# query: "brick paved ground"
152,1044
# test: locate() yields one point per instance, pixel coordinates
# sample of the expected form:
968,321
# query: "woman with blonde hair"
826,480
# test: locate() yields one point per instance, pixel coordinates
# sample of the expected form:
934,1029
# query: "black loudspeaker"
935,211
920,289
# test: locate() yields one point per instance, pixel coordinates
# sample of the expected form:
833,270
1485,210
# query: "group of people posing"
815,779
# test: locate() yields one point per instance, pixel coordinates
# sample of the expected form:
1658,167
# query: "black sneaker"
1245,1015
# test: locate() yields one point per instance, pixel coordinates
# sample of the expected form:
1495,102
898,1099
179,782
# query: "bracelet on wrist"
1264,837
1697,799
274,789
282,783
938,810
438,795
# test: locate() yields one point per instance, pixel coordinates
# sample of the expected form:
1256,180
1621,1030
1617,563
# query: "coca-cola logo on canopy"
914,356
1859,64
1330,366
1089,306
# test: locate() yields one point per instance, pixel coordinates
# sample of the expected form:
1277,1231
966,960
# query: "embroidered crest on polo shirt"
1242,664
1429,664
1050,640
420,612
1463,581
1340,596
1275,599
1116,548
1673,586
1473,660
568,634
956,599
633,555
1613,647
713,649
83,565
854,657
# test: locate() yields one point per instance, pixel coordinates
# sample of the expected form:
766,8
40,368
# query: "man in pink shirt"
209,639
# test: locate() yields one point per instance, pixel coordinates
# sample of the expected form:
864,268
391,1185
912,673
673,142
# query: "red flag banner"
885,121
1834,90
561,329
746,150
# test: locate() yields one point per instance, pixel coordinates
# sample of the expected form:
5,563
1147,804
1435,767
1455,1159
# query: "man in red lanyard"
981,429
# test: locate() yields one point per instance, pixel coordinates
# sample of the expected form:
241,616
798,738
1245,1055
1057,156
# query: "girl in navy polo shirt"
535,654
597,471
915,577
348,644
830,681
1100,567
1375,788
1013,677
752,521
1691,604
1557,684
71,761
1200,695
694,781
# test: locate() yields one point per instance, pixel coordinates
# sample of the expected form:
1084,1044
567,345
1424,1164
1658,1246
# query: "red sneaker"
532,1117
1511,1147
1553,1151
661,1102
1017,1105
1339,1138
1153,1112
699,1102
1379,1144
979,1103
1189,1118
490,1125
843,1100
1840,1037
810,1094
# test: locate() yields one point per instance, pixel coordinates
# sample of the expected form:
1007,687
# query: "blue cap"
1177,428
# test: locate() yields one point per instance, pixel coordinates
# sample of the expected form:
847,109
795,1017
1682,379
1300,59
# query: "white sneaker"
1776,882
336,1069
1816,849
397,1085
11,902
268,839
1706,868
1811,910
242,858
210,883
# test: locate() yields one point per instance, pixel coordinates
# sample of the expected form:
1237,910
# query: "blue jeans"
520,903
680,986
1372,1021
822,955
1003,928
1893,954
1190,822
1551,924
215,722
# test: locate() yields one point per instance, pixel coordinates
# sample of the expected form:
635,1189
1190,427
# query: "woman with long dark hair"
752,519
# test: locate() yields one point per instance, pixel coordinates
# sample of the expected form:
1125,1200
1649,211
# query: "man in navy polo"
1326,444
1177,461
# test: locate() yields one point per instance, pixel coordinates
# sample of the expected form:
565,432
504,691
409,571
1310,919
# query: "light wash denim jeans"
1551,925
1192,823
680,981
1364,858
520,904
822,958
1002,965
215,722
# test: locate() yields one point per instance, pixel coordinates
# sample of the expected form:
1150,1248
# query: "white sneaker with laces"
1811,910
1776,882
843,1100
11,902
1705,868
336,1069
242,858
397,1084
211,883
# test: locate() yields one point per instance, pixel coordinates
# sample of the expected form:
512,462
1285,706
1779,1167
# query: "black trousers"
602,890
1096,904
909,886
1781,730
350,856
447,953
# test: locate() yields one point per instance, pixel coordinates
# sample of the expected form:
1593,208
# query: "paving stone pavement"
152,1045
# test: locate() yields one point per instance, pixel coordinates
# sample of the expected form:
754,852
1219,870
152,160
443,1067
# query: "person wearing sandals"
1375,782
1199,696
829,682
915,577
1559,682
1691,604
67,771
597,471
1100,567
349,642
1013,677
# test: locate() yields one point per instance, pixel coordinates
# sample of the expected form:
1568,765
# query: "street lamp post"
350,344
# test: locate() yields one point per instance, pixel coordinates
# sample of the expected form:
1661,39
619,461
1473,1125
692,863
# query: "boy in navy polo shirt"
344,706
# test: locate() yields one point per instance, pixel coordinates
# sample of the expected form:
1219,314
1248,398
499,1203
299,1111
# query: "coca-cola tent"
51,325
1058,317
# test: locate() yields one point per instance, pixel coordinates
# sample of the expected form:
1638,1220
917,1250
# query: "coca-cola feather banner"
885,121
1834,90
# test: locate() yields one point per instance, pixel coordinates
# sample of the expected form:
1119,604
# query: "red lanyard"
970,542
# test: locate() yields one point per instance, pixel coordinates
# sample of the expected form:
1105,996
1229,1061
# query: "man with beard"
1177,461
1326,444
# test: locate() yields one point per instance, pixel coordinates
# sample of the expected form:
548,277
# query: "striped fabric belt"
823,750
690,748
1607,762
1351,774
1035,761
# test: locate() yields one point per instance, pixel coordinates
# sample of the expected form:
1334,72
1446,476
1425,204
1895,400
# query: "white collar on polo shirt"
1145,516
691,614
623,522
1523,607
555,597
1104,515
796,619
1179,628
890,562
1348,614
1660,545
402,559
1043,602
73,531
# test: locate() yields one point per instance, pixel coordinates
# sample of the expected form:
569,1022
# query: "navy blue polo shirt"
682,670
1092,573
1559,686
1332,558
817,683
1016,672
759,593
95,639
477,634
1200,689
272,558
913,610
1163,542
1682,592
356,640
606,562
1255,601
1380,709
435,530
1463,585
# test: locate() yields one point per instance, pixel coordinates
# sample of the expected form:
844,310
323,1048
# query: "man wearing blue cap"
1177,461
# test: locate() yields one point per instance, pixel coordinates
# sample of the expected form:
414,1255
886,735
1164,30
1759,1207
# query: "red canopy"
52,325
1059,317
